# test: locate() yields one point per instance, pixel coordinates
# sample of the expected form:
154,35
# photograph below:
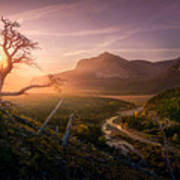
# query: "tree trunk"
1,84
68,130
50,116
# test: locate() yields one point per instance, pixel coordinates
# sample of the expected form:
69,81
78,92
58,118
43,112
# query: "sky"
70,30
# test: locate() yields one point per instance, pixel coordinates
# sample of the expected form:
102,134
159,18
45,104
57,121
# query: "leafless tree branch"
16,46
17,49
24,90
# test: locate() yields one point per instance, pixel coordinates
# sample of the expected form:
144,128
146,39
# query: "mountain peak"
106,53
110,56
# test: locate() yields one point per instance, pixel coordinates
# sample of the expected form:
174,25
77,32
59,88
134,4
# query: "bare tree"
17,49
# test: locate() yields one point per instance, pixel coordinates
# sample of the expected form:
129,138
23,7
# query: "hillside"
164,107
167,104
87,156
159,122
26,155
111,74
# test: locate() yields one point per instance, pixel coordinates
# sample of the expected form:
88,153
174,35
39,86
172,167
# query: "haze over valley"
112,74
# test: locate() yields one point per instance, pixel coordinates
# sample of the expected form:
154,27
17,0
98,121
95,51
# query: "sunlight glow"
3,62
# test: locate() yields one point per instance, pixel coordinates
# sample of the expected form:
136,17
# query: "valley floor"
141,153
136,99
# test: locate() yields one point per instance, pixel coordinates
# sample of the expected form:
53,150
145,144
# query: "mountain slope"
109,73
167,105
114,66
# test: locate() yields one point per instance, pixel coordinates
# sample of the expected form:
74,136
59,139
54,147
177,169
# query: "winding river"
123,145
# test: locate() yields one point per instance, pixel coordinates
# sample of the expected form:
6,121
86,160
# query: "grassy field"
26,155
90,113
139,100
38,106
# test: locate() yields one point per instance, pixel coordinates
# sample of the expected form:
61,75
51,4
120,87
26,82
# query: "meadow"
90,113
26,155
139,100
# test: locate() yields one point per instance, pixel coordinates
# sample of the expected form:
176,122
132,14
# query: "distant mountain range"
108,73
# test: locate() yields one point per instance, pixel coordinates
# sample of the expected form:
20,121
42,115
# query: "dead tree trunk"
68,130
165,142
50,116
166,154
1,83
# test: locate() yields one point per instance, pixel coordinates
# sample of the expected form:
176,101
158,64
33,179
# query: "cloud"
124,32
101,31
153,50
108,35
76,52
38,13
80,6
104,44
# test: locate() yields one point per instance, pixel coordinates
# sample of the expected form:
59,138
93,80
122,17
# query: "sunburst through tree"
15,48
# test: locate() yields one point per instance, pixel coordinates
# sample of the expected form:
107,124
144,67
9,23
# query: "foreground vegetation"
26,155
87,156
162,109
167,106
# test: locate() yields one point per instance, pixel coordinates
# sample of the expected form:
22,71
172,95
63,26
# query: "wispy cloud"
79,6
80,24
104,44
37,13
76,52
151,50
107,30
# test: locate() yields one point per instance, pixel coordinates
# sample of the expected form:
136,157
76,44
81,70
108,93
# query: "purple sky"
69,30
